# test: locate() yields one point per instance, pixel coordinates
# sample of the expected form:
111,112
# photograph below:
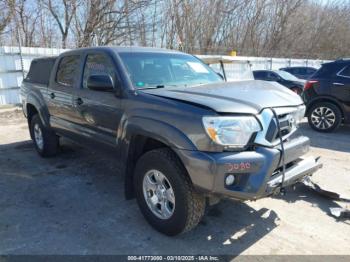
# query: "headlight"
230,131
299,114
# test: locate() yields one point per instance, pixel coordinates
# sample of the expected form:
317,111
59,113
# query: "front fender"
150,128
157,130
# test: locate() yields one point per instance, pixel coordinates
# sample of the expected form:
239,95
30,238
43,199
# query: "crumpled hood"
248,97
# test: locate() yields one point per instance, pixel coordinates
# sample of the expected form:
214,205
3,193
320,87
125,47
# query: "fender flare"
150,128
40,106
324,98
158,130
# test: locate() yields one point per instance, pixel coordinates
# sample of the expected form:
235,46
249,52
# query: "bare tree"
63,13
282,28
7,9
107,21
26,20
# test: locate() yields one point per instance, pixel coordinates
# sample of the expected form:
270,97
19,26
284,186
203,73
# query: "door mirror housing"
102,83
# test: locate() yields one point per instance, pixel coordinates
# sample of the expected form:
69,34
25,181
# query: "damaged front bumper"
257,173
301,168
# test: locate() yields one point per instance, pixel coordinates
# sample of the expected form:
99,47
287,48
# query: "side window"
259,75
345,72
311,71
301,71
40,71
272,76
292,70
67,70
98,64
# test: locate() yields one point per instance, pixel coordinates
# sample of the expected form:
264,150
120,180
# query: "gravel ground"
74,204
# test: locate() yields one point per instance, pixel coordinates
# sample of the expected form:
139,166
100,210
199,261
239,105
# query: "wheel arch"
325,99
34,105
146,137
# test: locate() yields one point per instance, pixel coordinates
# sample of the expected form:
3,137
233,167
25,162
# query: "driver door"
98,112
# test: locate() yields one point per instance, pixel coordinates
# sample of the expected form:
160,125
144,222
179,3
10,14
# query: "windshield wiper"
152,87
157,86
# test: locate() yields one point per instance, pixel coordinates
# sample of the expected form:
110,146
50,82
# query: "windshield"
287,76
152,70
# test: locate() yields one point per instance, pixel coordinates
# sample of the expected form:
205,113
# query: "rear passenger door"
61,90
98,113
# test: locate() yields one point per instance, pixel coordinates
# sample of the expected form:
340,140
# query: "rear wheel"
46,142
324,117
165,193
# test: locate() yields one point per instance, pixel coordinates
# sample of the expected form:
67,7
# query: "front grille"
287,124
286,116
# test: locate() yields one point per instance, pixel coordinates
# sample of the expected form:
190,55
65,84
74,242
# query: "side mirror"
100,83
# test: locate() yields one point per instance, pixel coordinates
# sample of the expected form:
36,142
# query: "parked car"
183,136
301,72
281,77
327,96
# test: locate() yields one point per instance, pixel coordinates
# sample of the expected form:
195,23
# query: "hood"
248,97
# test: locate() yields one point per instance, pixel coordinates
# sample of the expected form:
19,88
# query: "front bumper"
257,173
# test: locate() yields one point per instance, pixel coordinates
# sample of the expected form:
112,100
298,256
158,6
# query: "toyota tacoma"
184,137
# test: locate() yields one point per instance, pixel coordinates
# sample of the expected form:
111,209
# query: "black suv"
327,96
302,72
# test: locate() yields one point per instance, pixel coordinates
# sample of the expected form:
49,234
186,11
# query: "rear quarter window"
345,71
40,70
327,70
67,70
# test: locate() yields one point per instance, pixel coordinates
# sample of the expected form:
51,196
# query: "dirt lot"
74,204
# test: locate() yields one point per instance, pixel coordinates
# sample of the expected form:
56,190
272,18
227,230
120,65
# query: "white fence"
242,66
11,70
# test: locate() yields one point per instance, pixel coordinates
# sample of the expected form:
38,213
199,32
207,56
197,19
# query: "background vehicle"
281,77
183,136
327,96
301,72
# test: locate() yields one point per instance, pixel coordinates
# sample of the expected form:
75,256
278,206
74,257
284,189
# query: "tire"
48,144
189,206
324,117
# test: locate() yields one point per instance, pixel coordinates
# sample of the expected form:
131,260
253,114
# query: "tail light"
309,84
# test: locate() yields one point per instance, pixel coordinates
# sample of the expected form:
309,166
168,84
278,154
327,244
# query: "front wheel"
324,117
165,193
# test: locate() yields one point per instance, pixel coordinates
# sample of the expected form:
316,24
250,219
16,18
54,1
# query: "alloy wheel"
323,117
159,194
38,136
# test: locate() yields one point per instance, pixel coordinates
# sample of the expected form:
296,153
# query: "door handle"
338,84
79,101
52,95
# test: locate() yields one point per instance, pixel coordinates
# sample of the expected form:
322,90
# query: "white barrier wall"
241,66
11,70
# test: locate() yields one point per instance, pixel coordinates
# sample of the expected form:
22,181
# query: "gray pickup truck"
184,137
